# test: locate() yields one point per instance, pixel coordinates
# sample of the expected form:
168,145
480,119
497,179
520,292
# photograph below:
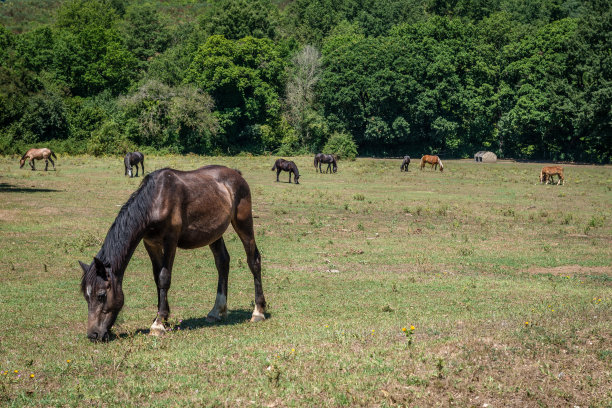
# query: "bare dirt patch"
569,270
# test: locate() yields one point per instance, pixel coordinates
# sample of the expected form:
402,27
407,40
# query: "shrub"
342,145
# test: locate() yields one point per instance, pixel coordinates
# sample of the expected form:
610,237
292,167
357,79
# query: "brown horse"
170,209
405,163
547,173
286,165
433,161
38,154
329,159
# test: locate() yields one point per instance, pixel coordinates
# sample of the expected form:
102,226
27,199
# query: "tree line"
525,79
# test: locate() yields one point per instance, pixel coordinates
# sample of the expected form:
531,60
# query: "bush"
342,145
108,140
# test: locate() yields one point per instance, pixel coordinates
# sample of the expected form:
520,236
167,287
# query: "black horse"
132,159
286,165
405,163
329,159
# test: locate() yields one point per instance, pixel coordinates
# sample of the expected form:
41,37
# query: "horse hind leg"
52,162
46,164
222,261
243,225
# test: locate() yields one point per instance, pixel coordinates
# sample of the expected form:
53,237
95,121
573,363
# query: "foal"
286,165
405,163
38,154
132,159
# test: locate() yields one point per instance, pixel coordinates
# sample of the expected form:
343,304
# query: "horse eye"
101,296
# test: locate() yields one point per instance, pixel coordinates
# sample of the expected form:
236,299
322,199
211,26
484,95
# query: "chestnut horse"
170,209
286,165
433,161
547,174
329,159
405,163
132,159
38,154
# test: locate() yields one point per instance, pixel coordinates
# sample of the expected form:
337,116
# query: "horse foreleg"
290,176
162,270
222,261
32,165
244,229
136,169
142,165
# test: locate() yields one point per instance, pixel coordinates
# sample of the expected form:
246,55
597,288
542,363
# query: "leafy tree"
342,145
245,78
236,19
143,32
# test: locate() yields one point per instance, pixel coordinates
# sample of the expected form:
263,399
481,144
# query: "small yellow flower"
599,300
31,375
68,361
16,371
293,350
526,323
552,310
403,329
412,328
327,325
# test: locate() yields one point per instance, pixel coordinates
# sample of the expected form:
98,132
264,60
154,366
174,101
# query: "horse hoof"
157,329
257,318
212,319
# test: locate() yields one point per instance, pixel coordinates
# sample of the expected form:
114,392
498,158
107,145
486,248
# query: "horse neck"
128,229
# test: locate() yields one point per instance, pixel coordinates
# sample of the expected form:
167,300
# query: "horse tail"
53,154
273,167
316,161
422,162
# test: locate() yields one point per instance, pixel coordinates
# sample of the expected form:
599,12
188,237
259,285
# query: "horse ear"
101,269
84,266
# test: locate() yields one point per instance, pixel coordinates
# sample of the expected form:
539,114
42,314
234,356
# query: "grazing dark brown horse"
132,159
329,159
433,161
38,154
405,163
547,174
170,209
286,165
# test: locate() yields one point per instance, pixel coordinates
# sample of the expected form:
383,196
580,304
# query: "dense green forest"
527,79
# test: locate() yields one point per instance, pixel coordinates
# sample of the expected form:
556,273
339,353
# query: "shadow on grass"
237,316
9,188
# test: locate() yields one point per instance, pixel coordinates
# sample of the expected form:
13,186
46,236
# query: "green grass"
502,278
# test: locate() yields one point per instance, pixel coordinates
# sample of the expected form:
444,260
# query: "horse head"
21,163
104,297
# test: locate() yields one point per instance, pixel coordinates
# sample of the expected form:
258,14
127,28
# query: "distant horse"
433,161
329,159
548,173
170,209
38,154
286,165
405,163
132,159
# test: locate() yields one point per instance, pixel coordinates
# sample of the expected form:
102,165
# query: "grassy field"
507,283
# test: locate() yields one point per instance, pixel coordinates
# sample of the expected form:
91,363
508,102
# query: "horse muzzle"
95,336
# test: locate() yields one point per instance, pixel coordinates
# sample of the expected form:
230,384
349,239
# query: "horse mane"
127,227
440,161
24,155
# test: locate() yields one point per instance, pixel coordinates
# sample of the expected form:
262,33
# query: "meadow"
477,286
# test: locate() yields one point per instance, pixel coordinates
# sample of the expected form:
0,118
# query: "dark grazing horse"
132,159
170,209
38,154
405,163
329,159
286,165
